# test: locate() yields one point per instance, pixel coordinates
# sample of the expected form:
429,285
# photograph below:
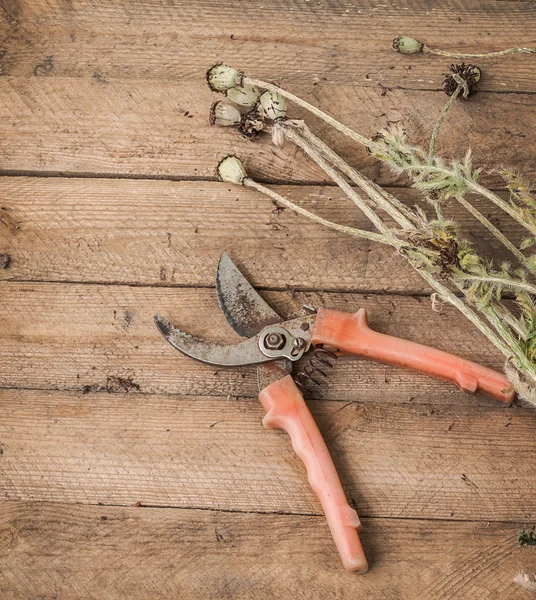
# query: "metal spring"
321,360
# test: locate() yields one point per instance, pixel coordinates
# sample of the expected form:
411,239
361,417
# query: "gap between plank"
362,292
180,178
255,512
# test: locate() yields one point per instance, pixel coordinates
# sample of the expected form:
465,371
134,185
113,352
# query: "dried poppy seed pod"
224,114
221,77
231,170
407,45
274,105
244,95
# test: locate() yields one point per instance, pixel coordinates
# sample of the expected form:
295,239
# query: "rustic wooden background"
129,471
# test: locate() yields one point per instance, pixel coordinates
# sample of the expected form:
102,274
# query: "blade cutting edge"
244,309
245,353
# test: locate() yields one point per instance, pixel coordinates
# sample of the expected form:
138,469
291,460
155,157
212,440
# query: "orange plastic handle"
350,334
286,409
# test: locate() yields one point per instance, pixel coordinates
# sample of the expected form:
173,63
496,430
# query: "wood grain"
67,552
458,463
95,337
152,128
301,41
98,409
172,233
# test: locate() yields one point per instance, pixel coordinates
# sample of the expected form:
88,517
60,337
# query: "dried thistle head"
466,76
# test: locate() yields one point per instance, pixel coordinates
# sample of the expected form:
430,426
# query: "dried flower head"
466,76
231,170
251,124
224,114
246,95
274,105
220,78
407,45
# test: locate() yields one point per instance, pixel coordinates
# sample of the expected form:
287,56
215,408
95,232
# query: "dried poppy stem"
493,230
312,109
408,45
433,138
427,50
391,205
294,137
432,247
368,143
361,233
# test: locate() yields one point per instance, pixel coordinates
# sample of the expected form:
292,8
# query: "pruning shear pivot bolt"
273,344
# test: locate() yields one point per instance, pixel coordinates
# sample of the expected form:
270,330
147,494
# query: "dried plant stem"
360,233
427,50
490,227
312,109
501,341
508,317
391,205
433,138
432,247
449,296
368,143
520,360
498,201
294,137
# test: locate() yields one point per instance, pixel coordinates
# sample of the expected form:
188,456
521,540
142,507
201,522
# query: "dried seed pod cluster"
248,110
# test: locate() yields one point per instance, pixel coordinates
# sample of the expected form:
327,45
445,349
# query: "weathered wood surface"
98,409
129,97
67,551
94,337
172,233
160,129
467,463
302,41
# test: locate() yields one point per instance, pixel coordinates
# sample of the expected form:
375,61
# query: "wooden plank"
71,336
299,41
172,233
160,128
67,552
463,463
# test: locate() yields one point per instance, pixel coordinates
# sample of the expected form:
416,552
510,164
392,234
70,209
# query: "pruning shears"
274,344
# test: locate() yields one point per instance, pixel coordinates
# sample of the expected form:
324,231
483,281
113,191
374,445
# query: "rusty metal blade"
248,314
244,309
244,353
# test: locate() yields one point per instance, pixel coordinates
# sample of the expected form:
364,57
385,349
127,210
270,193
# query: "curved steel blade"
245,353
244,309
